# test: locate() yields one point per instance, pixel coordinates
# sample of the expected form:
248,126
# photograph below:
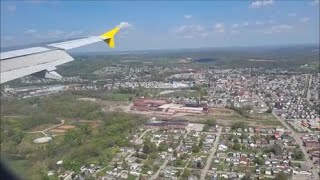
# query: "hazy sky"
167,24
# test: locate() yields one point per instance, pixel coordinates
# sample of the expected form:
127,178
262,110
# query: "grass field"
227,117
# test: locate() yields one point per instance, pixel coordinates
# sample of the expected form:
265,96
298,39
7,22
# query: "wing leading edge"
42,61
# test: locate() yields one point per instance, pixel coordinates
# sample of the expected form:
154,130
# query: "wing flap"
21,66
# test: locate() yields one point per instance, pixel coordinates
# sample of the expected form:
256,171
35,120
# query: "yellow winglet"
108,37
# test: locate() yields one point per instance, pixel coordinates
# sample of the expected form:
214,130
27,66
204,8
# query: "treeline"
85,145
60,105
37,119
79,146
243,111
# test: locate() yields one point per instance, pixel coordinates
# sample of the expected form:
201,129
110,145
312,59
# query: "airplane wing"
42,61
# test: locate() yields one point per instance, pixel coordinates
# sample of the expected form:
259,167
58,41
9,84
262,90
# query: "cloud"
270,21
241,25
124,25
244,24
191,31
234,31
74,34
35,1
305,19
260,22
219,28
30,31
315,2
261,3
10,8
8,38
187,16
55,34
235,25
292,14
278,29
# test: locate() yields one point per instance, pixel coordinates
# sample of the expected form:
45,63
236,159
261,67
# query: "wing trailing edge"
42,61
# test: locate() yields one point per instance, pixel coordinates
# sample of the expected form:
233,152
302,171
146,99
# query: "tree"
206,128
269,110
258,161
237,125
211,122
247,176
148,146
85,129
186,173
115,165
236,146
179,162
199,164
201,142
17,137
297,154
125,165
163,147
244,136
195,148
276,149
281,176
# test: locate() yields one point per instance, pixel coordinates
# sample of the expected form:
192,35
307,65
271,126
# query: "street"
212,152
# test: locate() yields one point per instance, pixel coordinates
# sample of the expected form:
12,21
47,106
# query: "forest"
77,147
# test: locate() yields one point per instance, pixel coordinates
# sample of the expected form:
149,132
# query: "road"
164,164
308,88
141,136
45,130
299,141
209,159
183,169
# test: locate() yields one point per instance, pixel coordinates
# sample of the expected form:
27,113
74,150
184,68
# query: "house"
267,163
268,171
275,171
277,135
222,147
216,160
243,161
224,176
257,130
264,141
286,138
312,144
258,171
134,166
124,174
192,177
263,131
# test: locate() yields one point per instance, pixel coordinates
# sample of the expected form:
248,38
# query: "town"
202,123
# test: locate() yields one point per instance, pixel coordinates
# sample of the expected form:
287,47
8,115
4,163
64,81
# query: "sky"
162,24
